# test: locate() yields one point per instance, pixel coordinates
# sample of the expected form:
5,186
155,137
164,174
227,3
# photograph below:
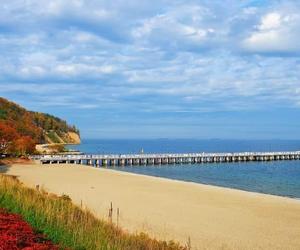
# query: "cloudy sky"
156,69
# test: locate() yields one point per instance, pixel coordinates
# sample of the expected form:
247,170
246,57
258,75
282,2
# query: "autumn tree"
24,145
8,137
20,129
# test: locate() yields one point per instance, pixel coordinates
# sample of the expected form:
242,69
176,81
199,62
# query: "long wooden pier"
163,159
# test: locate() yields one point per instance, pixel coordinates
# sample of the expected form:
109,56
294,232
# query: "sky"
227,69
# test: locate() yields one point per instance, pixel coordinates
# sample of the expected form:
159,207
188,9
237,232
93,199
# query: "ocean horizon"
276,177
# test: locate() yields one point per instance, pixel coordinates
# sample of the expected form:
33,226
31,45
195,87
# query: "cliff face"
52,137
74,138
41,128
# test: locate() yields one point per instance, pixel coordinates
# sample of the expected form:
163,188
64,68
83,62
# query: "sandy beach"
212,217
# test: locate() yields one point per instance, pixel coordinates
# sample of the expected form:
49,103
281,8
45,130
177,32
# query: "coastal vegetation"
68,225
21,130
15,233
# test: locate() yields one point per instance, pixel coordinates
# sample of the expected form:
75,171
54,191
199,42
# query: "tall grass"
67,224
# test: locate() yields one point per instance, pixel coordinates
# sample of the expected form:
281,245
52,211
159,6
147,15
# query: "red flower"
16,234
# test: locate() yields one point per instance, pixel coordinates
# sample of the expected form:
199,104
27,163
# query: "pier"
164,159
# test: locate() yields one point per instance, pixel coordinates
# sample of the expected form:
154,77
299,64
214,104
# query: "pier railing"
159,159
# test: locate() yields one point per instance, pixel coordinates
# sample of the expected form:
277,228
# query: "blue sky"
156,69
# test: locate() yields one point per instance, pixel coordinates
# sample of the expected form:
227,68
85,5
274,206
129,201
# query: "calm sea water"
278,177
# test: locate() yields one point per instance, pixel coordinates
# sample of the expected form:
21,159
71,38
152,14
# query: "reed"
67,224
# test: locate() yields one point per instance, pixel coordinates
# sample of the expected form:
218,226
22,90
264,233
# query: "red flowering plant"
17,234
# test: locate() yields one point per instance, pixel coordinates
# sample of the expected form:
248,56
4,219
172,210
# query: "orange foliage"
11,142
8,135
20,129
24,145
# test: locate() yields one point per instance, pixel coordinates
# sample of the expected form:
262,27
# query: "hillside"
19,127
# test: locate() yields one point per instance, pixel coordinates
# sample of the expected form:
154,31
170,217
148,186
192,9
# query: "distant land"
21,130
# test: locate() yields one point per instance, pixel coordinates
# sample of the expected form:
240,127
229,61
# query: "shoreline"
45,148
297,199
206,185
212,217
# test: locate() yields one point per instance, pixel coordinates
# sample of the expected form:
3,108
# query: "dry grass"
10,161
67,224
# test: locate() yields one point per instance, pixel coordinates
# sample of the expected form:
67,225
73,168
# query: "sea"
276,177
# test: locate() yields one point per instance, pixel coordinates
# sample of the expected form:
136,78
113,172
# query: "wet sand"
211,217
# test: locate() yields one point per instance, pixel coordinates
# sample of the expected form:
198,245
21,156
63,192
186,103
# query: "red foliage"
17,234
8,135
12,142
20,129
25,145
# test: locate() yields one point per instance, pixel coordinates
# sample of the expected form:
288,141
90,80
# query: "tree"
8,136
24,145
17,122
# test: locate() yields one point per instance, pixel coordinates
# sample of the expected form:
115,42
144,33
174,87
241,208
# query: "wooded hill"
21,130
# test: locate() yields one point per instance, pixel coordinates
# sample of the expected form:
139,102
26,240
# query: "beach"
209,217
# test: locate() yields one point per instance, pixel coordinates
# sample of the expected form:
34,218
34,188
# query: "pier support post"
121,162
150,161
129,162
157,161
104,162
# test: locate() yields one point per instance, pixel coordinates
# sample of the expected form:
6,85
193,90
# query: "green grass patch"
53,137
3,114
69,225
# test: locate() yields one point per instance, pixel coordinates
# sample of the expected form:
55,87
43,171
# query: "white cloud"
181,29
172,53
80,69
270,21
250,11
276,33
29,71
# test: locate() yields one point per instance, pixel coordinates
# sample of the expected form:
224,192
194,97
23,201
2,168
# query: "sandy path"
213,217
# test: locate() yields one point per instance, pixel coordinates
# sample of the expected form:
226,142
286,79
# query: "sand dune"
212,217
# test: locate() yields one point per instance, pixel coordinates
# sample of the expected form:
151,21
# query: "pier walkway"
161,159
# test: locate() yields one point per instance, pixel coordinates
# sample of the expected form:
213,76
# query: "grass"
3,114
53,137
69,225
